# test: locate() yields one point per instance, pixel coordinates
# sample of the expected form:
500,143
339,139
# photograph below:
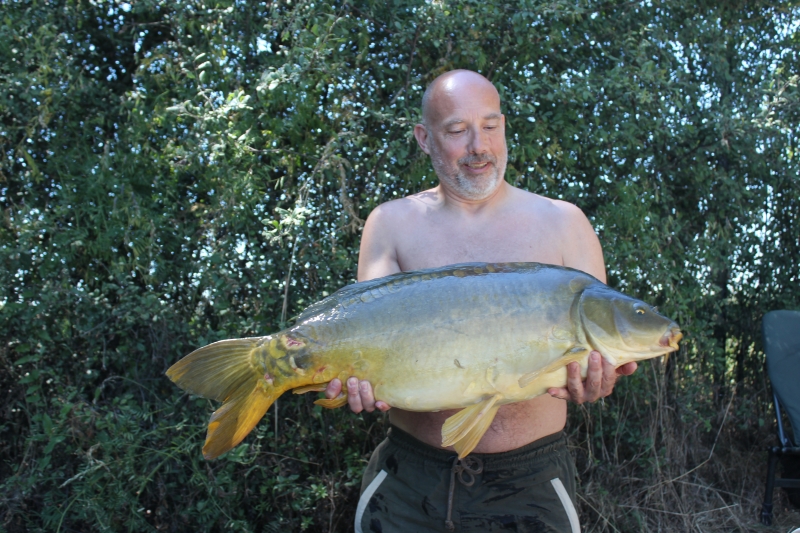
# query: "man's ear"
421,134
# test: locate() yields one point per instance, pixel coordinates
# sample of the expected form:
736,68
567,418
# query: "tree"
176,173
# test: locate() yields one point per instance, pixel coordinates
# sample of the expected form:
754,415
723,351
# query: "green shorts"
410,486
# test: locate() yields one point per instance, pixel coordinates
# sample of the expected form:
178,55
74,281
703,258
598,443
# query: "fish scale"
474,337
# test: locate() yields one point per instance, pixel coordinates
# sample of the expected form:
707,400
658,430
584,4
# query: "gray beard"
468,187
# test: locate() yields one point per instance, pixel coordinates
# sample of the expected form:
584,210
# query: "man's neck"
498,197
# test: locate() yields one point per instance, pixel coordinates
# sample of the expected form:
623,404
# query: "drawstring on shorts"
466,468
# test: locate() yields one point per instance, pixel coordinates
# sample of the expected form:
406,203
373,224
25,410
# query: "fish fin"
225,371
339,401
218,370
367,289
579,283
460,425
346,293
474,435
576,353
237,417
316,387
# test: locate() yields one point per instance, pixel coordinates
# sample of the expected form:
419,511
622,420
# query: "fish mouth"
671,338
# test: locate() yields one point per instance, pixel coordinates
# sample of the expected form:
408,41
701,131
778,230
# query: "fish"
471,336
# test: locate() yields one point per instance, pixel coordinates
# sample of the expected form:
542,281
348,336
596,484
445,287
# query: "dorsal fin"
339,297
365,291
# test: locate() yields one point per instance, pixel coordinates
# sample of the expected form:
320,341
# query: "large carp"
472,336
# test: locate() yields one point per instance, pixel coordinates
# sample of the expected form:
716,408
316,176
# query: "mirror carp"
472,336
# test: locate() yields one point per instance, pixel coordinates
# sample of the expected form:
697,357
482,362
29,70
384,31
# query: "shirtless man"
526,475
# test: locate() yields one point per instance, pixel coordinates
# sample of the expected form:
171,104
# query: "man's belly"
514,426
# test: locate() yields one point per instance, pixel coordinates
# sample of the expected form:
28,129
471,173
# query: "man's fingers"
609,378
561,393
594,378
360,396
354,395
333,389
627,369
574,383
601,376
367,398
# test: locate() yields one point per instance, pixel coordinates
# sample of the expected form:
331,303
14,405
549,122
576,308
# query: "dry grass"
684,473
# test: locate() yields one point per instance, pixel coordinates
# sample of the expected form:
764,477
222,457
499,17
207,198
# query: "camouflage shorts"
409,486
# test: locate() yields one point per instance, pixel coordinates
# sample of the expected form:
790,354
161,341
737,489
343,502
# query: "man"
521,473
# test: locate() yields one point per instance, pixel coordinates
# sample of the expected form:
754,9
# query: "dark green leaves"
173,174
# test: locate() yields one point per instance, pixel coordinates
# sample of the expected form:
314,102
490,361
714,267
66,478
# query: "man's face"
466,138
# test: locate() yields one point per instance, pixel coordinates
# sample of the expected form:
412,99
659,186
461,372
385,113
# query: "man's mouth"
477,163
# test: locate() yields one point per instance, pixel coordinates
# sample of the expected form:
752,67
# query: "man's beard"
465,186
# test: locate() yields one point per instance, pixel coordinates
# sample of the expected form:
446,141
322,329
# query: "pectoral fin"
465,428
339,401
576,353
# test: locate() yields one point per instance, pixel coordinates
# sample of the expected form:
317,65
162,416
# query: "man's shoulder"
570,231
410,205
388,226
549,207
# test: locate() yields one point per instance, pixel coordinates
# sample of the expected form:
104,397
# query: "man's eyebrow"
453,122
491,116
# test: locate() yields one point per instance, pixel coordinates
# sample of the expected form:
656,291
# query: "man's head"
463,131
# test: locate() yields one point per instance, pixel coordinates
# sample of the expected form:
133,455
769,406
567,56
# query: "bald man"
520,476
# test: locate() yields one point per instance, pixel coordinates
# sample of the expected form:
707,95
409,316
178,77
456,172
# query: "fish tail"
233,372
237,417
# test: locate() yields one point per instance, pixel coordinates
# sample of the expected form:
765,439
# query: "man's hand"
600,379
359,395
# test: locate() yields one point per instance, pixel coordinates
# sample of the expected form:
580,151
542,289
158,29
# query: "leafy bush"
177,173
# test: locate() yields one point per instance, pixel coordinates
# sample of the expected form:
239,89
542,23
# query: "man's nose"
479,142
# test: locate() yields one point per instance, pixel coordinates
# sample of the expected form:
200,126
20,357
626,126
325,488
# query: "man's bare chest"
499,244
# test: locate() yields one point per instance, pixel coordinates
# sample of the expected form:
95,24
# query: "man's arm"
582,251
377,257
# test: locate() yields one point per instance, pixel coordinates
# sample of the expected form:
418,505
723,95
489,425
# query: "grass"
658,455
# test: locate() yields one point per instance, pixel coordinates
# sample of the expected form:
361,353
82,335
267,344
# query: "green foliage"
174,173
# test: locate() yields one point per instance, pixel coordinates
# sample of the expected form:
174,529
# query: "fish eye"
639,311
